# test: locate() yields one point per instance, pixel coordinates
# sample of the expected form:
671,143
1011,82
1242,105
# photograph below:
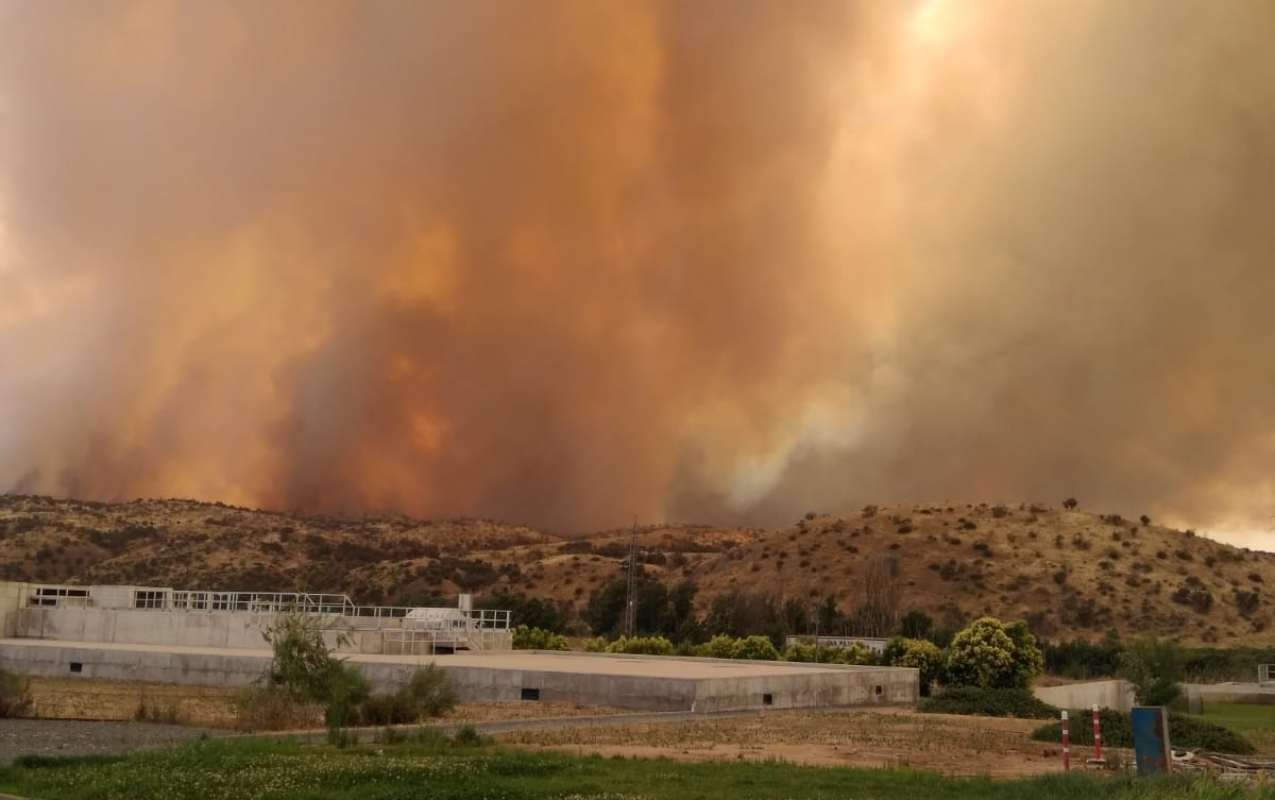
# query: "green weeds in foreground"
438,768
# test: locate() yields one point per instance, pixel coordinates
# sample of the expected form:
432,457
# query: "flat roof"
674,667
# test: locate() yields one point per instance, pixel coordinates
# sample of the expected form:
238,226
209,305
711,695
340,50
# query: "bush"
992,655
799,652
1184,732
973,701
15,695
918,653
526,638
598,644
428,693
720,646
756,648
468,736
1154,667
344,695
857,654
641,645
303,667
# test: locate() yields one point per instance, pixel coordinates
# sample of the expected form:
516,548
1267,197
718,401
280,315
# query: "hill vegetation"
1069,573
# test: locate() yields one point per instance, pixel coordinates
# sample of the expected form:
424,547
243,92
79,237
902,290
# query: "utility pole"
630,598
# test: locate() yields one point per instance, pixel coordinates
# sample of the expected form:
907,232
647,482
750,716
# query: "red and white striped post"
1097,737
1066,743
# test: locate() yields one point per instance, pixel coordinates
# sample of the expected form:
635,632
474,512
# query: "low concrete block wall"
1113,694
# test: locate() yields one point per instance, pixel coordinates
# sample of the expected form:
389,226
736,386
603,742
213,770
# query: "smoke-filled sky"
580,263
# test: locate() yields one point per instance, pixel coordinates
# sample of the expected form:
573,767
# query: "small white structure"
1264,673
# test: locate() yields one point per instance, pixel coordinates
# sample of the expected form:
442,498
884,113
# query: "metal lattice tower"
630,596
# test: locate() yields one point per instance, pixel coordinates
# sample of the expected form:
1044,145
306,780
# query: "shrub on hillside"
757,648
1184,731
917,653
992,655
526,638
973,701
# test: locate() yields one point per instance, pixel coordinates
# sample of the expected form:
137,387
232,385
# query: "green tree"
796,615
916,653
829,616
530,611
992,655
916,624
660,611
304,667
741,613
301,664
1028,661
1154,667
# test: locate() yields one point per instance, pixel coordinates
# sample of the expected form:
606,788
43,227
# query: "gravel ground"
58,737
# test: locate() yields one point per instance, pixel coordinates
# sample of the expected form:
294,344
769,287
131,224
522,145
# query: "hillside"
1071,573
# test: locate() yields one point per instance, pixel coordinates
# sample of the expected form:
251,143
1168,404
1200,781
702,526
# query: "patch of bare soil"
948,744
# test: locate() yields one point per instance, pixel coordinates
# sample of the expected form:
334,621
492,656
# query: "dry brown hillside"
1068,572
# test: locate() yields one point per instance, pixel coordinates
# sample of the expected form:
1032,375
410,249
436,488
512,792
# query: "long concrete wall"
1250,693
779,687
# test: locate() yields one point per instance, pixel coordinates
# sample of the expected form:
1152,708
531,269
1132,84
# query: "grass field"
1256,723
442,770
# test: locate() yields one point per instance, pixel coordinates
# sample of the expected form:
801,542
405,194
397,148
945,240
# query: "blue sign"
1151,739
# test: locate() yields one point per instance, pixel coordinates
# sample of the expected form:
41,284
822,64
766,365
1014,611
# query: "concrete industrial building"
215,639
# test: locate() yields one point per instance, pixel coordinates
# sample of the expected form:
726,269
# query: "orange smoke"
575,263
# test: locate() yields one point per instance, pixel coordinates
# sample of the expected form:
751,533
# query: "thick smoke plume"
576,263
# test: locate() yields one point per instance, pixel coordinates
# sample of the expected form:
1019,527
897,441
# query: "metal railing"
209,602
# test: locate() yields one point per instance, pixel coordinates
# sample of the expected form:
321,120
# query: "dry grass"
954,745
